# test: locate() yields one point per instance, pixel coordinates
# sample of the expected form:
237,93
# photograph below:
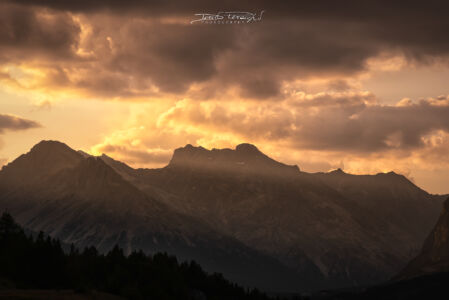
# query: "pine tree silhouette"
41,263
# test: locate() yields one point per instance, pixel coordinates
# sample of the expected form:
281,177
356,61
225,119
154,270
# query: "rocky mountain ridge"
239,211
356,229
86,202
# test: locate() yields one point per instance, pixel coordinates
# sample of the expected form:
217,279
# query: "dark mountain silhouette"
389,206
434,255
311,222
89,204
425,277
44,159
245,158
237,211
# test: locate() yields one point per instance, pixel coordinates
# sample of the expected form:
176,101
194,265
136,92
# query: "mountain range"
236,211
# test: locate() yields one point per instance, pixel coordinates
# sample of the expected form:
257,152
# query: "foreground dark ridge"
425,277
258,221
40,263
434,255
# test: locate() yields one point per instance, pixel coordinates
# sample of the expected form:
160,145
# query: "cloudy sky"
357,85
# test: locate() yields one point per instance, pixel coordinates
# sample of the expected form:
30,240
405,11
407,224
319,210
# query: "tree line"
40,262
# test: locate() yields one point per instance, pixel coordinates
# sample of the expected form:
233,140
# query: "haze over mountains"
239,212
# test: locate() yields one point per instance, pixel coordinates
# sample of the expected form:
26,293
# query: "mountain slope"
44,159
434,255
41,263
388,204
294,216
85,202
236,211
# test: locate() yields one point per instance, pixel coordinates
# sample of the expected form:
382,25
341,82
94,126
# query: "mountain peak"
190,147
245,157
338,171
247,148
52,152
46,157
50,145
121,168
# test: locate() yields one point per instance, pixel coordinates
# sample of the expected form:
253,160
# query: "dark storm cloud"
172,56
134,52
378,9
373,128
9,122
24,33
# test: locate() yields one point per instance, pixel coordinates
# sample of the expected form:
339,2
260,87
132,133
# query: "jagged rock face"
236,211
82,200
245,158
434,256
355,229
